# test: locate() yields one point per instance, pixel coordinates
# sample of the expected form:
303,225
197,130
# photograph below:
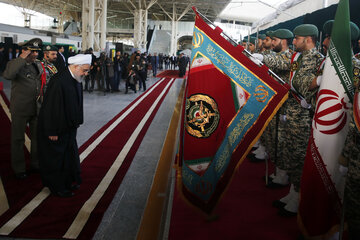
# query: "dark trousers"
117,78
18,127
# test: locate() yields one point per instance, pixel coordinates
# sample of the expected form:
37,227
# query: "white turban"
80,59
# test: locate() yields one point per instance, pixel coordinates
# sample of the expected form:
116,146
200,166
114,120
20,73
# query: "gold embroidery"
233,70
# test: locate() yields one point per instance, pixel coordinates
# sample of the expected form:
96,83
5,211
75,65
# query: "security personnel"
298,112
259,47
50,57
273,136
267,43
259,153
25,74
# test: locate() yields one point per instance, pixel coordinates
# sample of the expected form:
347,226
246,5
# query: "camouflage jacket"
279,63
307,68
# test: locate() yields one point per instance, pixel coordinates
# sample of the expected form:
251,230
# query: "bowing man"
60,115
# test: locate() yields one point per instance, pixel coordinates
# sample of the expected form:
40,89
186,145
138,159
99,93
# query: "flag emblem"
202,115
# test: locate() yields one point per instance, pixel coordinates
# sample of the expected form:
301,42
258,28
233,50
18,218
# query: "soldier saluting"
25,73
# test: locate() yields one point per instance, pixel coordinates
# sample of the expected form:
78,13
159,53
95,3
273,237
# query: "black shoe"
269,179
21,175
75,187
64,194
278,204
273,185
285,213
254,159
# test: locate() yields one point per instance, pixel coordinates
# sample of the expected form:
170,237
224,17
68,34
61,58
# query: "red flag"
229,101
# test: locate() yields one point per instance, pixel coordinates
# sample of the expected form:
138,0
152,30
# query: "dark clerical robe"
60,115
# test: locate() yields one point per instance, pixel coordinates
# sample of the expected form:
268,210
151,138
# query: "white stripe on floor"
84,213
35,202
4,204
92,146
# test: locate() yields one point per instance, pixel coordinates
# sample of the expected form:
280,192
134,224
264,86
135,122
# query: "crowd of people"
285,140
47,96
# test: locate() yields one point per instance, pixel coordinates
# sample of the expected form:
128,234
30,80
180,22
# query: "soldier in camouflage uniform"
259,47
267,43
50,56
274,134
298,114
259,154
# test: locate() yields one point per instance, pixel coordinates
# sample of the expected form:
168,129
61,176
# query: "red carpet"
171,74
245,212
54,216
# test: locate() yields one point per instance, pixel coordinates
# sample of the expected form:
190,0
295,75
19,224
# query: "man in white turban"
60,115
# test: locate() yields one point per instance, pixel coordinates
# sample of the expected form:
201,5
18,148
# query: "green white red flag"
322,184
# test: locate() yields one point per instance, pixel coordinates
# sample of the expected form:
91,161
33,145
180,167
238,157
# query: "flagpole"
234,43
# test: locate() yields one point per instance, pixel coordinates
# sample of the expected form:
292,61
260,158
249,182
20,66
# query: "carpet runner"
245,212
105,159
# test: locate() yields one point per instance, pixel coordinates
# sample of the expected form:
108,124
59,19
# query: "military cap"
33,44
252,39
269,33
283,33
50,48
306,30
353,29
262,36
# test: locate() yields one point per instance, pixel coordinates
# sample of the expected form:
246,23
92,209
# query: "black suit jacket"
60,64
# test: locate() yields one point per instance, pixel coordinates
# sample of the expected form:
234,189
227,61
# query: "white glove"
258,56
318,80
282,118
304,104
343,170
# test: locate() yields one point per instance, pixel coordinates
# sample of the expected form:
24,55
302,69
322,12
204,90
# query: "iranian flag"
322,184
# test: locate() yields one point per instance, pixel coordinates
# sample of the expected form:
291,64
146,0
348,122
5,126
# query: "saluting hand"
53,138
25,53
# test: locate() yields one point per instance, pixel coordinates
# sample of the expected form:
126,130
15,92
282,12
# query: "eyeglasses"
87,71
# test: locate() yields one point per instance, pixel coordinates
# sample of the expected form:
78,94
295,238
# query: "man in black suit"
60,63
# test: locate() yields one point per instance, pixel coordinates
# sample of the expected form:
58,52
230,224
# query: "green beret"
269,33
262,36
305,30
50,48
353,29
283,34
252,39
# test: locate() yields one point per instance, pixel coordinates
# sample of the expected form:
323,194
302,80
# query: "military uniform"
351,153
25,90
299,119
280,64
50,70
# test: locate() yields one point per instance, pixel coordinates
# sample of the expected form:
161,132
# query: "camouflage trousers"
268,139
352,193
295,140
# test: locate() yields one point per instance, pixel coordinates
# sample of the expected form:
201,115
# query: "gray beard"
79,78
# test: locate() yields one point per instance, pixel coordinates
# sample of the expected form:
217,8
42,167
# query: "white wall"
307,6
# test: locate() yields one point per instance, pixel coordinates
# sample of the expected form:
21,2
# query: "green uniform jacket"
25,86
